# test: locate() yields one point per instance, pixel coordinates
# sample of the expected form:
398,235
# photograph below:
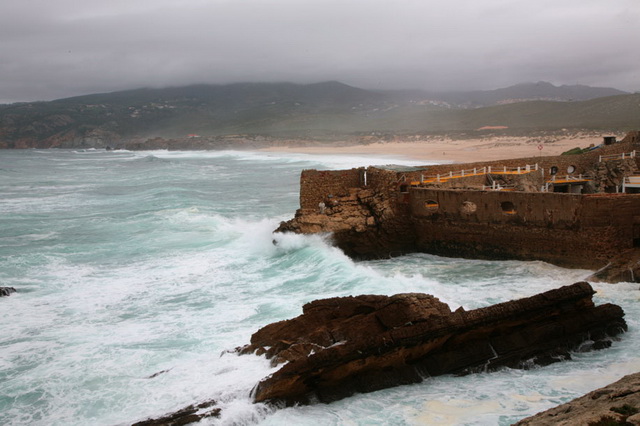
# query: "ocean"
129,264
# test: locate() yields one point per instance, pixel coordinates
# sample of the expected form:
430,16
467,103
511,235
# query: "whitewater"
137,271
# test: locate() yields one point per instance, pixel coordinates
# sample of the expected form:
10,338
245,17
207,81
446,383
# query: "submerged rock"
191,414
344,345
6,291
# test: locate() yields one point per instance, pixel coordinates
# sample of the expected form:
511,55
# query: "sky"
51,49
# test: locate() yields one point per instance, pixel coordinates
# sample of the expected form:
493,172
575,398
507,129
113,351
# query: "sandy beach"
450,150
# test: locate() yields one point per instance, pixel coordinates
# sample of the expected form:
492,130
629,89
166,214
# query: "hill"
518,93
283,110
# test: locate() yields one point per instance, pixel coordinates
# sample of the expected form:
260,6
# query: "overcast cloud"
54,49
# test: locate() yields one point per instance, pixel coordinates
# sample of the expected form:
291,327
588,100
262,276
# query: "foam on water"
288,158
161,266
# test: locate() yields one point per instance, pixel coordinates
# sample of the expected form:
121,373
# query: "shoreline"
451,150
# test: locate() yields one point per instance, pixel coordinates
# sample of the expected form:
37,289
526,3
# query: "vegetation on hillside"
288,110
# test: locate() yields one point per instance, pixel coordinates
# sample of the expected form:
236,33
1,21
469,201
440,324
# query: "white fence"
477,171
622,156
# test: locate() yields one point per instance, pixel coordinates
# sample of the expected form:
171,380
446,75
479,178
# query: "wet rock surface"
6,291
191,414
623,268
615,404
341,346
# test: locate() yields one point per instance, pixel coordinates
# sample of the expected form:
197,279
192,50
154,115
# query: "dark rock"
615,404
191,414
344,345
154,375
6,291
623,268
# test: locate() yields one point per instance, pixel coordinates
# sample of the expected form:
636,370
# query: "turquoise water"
132,263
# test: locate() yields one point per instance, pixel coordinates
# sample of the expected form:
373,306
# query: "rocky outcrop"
608,175
191,414
623,268
615,404
365,222
340,346
6,291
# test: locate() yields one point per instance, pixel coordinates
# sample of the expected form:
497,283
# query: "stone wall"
377,213
564,229
317,186
364,210
328,186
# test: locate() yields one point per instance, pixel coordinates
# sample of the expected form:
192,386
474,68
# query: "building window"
431,206
508,207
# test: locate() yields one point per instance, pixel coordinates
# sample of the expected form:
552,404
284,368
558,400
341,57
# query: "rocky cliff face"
341,346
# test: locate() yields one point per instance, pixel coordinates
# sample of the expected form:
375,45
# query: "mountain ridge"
296,111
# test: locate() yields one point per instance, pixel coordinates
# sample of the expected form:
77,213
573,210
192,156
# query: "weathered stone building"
567,210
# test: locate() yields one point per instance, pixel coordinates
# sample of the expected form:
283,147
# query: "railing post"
462,173
600,159
518,169
450,174
474,171
505,169
421,178
438,177
536,166
489,169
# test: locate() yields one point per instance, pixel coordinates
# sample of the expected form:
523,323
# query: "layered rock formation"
615,404
340,346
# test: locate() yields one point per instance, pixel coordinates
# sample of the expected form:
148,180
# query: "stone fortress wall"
390,215
565,229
